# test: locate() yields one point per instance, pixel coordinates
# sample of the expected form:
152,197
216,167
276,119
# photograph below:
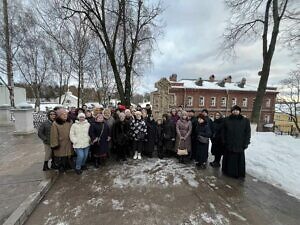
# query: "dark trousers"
234,164
201,153
161,151
138,146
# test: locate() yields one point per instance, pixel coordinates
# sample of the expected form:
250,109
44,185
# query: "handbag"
203,139
182,151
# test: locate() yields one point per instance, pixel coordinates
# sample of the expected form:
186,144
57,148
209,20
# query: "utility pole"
9,64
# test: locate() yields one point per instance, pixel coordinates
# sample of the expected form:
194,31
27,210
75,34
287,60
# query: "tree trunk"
267,59
9,64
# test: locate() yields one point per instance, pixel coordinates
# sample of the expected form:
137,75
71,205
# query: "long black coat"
44,131
120,133
151,136
168,134
236,133
217,143
202,129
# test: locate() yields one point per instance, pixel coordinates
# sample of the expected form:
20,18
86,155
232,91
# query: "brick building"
211,94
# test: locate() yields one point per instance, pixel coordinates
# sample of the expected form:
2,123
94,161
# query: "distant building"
283,121
69,100
211,94
20,95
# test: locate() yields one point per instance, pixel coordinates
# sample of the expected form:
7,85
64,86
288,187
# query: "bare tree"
252,19
35,56
74,38
289,99
124,28
10,77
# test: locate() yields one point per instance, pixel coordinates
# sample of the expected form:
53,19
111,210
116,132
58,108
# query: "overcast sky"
190,45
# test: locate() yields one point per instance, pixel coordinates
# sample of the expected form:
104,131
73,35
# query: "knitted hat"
81,115
236,107
205,110
60,111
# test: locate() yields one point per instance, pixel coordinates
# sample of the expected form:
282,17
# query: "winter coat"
184,129
159,135
151,136
110,122
169,134
60,138
236,133
79,134
217,144
210,124
201,149
138,130
90,119
100,131
44,131
174,119
120,133
202,129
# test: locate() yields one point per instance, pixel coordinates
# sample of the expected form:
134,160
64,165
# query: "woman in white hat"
79,135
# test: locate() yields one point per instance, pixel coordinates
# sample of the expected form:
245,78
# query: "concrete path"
162,192
21,172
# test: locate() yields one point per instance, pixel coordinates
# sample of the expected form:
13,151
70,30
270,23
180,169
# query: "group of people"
72,138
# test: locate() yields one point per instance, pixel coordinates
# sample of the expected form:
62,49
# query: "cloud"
191,43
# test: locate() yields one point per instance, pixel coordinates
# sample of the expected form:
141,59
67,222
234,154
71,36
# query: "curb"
20,215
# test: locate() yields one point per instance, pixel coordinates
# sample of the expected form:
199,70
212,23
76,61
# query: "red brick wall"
196,93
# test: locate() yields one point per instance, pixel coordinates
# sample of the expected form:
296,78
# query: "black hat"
236,107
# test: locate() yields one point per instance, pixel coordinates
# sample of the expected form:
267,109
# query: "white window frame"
268,103
190,101
245,102
233,101
202,103
213,101
223,101
267,118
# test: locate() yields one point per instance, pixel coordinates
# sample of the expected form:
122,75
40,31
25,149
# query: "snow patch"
275,159
237,215
154,172
95,202
76,211
117,205
46,202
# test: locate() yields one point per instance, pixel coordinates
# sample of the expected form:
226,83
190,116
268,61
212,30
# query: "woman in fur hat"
60,140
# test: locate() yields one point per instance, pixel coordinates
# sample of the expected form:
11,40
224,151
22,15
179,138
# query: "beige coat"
60,140
79,134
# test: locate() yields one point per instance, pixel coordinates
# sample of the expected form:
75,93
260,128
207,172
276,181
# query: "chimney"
221,83
173,77
242,83
199,82
228,79
212,78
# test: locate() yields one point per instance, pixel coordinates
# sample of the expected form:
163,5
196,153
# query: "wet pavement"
159,192
21,160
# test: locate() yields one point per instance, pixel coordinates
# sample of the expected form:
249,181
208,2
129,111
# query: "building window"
223,102
267,119
268,103
245,102
189,101
213,101
233,101
172,99
201,101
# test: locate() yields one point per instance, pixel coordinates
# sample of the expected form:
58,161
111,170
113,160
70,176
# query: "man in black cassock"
236,137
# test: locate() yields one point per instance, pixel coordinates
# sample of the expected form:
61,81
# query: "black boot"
45,167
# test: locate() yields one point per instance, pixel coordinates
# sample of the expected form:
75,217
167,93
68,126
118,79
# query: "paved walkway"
21,160
160,192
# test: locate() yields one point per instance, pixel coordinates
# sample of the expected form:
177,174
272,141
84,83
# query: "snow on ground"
275,159
154,172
